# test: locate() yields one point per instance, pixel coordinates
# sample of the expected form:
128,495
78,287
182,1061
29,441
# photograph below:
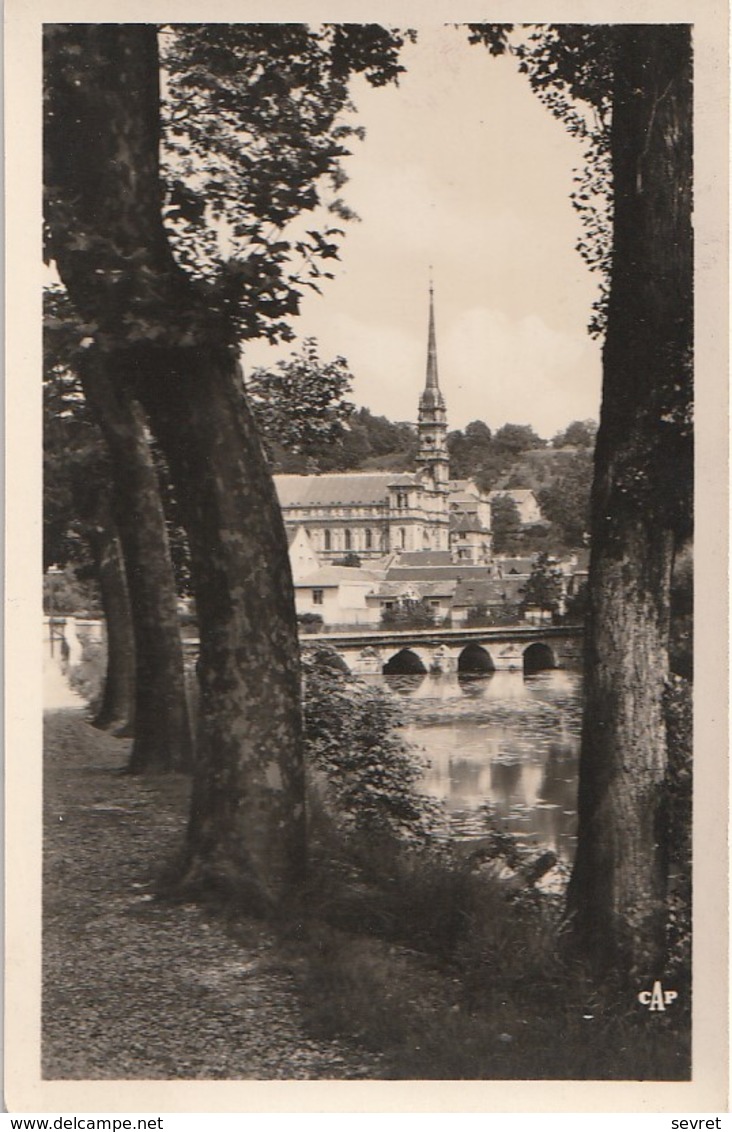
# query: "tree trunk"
162,737
246,832
641,509
117,703
158,336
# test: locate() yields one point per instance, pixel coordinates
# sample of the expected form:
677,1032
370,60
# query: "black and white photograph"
367,541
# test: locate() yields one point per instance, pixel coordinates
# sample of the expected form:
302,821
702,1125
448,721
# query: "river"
502,745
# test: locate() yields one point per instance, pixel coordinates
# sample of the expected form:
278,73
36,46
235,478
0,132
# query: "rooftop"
491,592
330,576
345,489
453,570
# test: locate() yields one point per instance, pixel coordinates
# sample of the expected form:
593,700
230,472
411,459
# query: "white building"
372,514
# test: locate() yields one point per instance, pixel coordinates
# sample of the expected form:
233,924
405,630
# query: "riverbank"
408,967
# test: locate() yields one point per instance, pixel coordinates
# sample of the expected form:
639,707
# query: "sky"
463,170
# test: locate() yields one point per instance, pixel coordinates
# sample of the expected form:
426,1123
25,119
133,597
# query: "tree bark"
162,737
162,339
117,703
246,831
641,509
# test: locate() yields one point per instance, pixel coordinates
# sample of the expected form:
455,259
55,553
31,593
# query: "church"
382,515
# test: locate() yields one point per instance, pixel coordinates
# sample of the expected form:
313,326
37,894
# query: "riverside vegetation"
406,957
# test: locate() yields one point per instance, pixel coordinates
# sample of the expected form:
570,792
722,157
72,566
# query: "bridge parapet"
506,649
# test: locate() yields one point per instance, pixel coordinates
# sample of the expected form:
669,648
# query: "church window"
326,540
402,537
317,597
368,538
347,539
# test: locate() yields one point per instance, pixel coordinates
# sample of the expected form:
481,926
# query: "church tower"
432,421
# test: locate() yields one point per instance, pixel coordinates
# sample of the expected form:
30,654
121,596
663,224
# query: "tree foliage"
544,585
477,453
577,434
257,119
300,405
506,526
76,467
369,776
565,502
409,613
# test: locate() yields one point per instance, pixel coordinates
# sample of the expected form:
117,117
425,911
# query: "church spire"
432,397
432,421
432,382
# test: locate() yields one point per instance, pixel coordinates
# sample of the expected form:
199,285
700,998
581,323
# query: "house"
338,594
526,502
393,594
488,594
470,541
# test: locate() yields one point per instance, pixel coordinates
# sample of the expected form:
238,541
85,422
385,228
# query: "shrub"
365,774
310,622
409,614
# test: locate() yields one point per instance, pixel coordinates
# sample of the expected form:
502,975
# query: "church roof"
339,489
424,558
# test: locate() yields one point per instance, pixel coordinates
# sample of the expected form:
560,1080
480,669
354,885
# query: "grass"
450,975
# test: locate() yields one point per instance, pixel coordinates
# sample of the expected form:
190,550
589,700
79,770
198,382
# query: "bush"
65,593
310,622
365,774
409,615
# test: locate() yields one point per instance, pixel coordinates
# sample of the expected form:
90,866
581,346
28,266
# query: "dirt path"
134,987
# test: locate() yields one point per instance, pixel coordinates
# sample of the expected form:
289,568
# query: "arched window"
326,540
368,538
347,538
402,537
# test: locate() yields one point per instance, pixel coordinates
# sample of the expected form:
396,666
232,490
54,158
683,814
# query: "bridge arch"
406,662
474,658
538,657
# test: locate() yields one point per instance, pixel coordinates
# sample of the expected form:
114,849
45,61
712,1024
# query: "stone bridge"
518,648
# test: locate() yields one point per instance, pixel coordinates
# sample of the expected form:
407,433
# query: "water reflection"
501,745
405,685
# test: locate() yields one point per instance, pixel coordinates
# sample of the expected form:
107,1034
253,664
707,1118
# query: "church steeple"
432,421
432,395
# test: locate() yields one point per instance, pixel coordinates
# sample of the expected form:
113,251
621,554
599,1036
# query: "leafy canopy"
256,120
300,405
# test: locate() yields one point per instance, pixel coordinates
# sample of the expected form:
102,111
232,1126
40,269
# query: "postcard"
366,433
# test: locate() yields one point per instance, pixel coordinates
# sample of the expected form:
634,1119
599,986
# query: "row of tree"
249,129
